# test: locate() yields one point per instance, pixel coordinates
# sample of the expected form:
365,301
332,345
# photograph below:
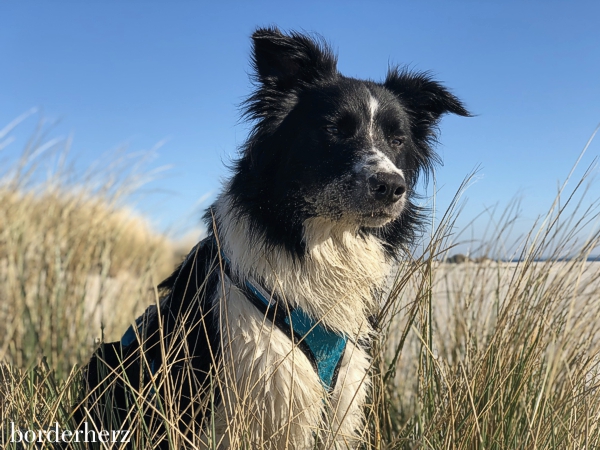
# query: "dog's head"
332,147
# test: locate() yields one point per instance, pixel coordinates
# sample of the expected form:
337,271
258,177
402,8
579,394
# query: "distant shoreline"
477,260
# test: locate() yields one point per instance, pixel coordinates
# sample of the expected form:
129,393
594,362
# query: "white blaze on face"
373,105
375,161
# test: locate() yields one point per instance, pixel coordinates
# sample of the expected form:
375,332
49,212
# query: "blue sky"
140,73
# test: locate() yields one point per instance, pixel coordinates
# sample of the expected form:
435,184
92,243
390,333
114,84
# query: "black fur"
309,132
190,341
299,91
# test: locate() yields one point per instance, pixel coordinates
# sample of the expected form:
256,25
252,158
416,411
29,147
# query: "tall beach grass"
72,256
481,355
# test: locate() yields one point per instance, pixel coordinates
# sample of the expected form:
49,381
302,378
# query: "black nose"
387,187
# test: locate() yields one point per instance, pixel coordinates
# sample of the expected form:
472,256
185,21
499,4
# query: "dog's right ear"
287,61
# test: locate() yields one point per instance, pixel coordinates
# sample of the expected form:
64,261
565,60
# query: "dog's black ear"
284,61
425,98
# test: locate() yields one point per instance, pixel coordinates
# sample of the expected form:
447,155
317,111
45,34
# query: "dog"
261,337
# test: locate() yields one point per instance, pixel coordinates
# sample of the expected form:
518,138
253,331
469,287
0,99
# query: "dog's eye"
397,141
332,129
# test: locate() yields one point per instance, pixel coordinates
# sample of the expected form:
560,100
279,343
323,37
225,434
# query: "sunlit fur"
318,206
297,215
272,385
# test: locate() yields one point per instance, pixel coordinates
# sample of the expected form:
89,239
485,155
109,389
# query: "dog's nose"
387,187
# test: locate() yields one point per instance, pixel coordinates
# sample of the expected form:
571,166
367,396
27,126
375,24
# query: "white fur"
273,396
373,105
375,161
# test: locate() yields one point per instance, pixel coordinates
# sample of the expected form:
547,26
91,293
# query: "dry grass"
488,355
497,355
71,258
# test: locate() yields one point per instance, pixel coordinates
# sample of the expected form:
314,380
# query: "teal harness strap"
323,348
326,347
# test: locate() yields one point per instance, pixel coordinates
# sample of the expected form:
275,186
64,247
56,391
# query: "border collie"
261,337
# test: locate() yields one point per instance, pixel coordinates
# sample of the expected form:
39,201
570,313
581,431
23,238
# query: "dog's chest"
336,282
273,395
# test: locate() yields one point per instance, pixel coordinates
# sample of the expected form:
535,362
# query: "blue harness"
323,348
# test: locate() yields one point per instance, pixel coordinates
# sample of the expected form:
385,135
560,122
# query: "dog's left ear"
426,99
285,61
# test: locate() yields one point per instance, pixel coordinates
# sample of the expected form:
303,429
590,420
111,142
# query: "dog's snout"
387,187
